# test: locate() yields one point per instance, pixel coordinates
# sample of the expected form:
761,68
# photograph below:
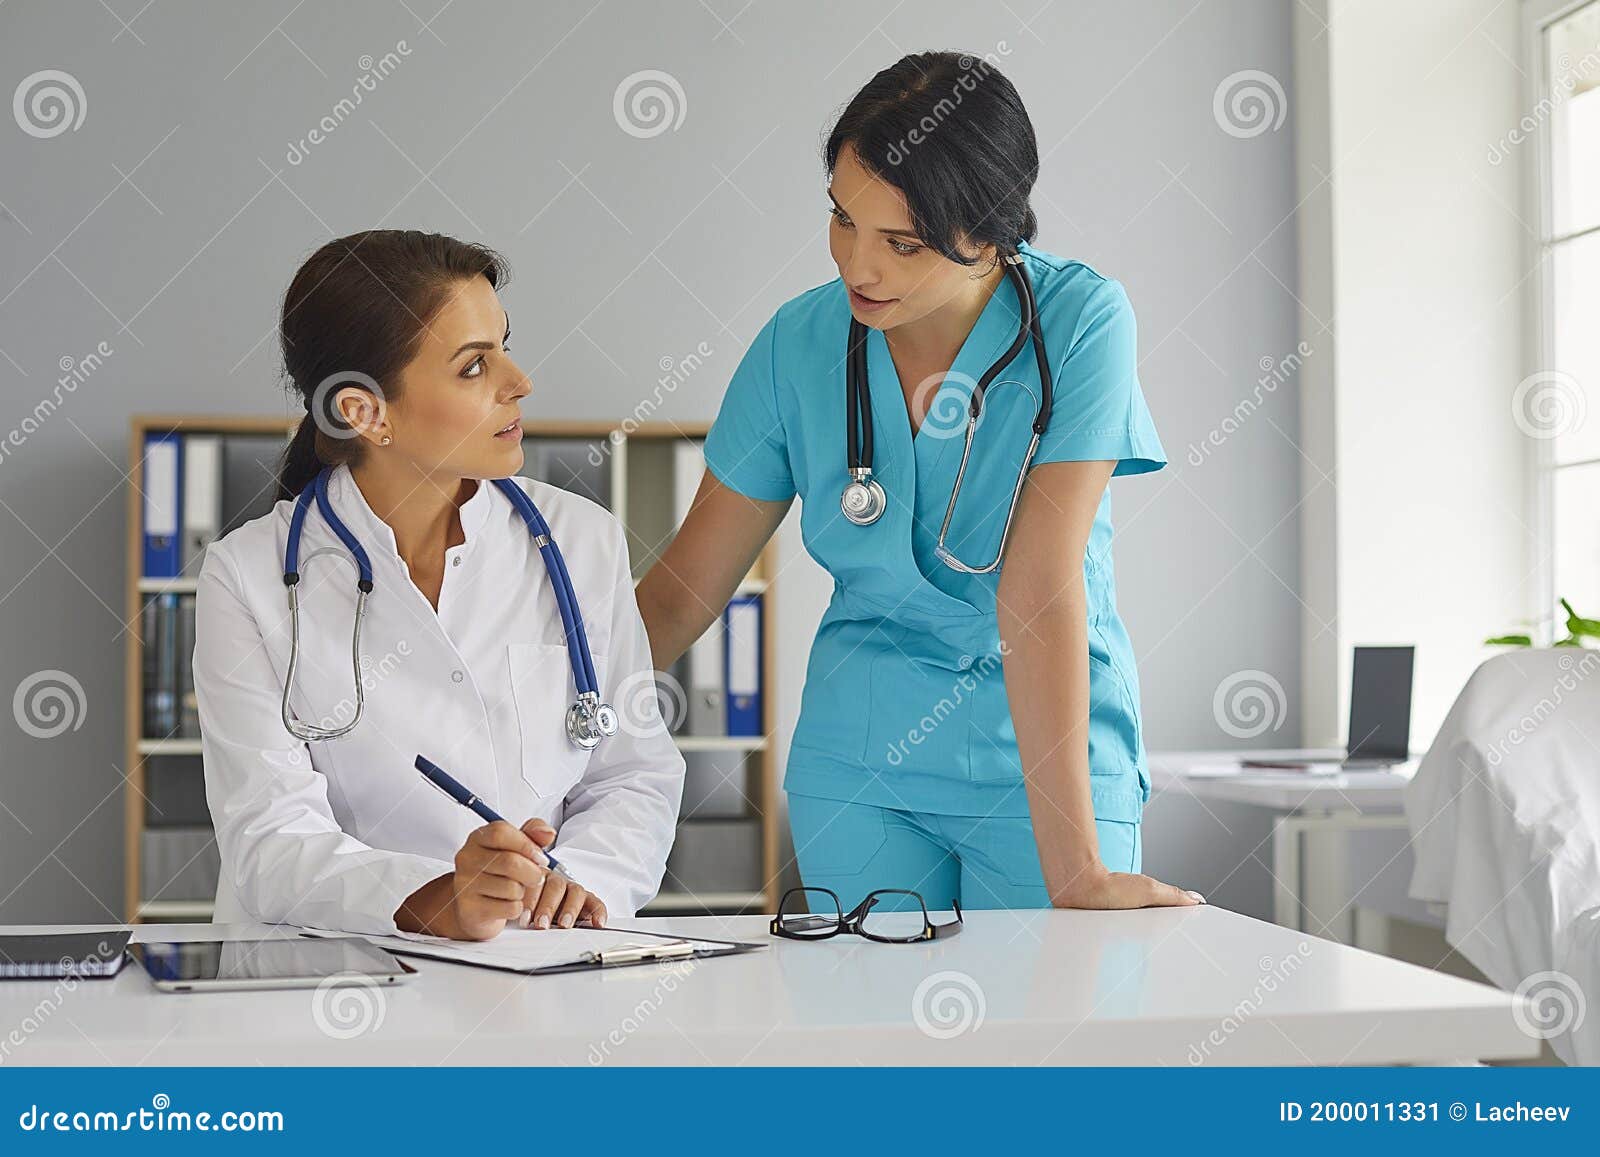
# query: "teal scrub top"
904,703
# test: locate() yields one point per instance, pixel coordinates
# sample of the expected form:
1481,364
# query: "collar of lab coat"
375,534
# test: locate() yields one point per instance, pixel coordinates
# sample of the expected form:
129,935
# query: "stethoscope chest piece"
589,721
863,501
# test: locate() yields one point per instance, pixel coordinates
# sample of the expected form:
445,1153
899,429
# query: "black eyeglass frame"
830,926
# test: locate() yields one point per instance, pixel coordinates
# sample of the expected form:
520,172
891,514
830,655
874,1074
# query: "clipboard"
656,948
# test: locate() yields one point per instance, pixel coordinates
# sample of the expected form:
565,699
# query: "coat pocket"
541,684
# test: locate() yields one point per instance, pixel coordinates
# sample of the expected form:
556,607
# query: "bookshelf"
634,480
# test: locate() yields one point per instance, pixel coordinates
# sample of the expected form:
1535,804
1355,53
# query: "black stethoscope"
863,501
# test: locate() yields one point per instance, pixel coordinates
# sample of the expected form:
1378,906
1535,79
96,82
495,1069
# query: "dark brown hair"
354,313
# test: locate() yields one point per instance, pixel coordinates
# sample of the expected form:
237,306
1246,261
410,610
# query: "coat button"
456,561
456,676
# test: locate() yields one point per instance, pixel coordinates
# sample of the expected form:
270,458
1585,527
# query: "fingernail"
1196,897
543,921
566,921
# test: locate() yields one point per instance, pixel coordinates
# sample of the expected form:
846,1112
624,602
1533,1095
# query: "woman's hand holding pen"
500,876
557,900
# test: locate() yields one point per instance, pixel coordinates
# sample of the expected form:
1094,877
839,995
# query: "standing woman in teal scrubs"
973,737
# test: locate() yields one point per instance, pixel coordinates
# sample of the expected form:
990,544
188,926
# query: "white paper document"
522,949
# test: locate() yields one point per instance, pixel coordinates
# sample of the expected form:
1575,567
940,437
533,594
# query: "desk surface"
1152,986
1366,792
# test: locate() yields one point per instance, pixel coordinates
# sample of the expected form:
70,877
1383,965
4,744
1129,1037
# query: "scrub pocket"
541,683
920,716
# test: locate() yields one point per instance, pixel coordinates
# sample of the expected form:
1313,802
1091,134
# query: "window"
1560,404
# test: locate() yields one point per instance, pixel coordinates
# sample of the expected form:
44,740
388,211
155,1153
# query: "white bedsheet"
1505,818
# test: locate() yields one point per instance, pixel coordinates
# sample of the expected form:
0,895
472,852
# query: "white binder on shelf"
202,497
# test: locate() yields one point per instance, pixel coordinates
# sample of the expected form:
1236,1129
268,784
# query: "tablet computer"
286,962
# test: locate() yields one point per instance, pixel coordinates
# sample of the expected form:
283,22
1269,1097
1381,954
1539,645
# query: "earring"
387,440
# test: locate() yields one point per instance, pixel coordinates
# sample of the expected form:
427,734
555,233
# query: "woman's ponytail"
300,463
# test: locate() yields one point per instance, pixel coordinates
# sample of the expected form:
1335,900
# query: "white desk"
1171,986
1304,804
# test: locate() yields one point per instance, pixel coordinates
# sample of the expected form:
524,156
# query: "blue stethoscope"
588,719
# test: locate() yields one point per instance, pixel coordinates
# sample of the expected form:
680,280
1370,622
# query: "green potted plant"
1578,629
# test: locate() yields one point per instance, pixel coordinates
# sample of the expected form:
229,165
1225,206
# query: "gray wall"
169,222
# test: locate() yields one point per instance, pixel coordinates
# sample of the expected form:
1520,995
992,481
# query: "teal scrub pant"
980,861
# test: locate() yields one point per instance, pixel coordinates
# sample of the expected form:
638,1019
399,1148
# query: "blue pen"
447,783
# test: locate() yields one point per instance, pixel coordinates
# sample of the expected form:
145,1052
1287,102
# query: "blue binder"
742,664
163,516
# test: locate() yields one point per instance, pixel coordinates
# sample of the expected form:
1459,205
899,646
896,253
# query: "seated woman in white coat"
397,343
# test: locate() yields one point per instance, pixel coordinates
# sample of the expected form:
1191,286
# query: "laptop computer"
1380,715
1380,707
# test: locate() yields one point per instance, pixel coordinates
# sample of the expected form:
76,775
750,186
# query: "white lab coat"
335,834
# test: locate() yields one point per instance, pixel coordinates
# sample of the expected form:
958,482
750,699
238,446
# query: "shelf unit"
633,446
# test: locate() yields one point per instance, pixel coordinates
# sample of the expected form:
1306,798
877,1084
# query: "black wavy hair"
949,131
